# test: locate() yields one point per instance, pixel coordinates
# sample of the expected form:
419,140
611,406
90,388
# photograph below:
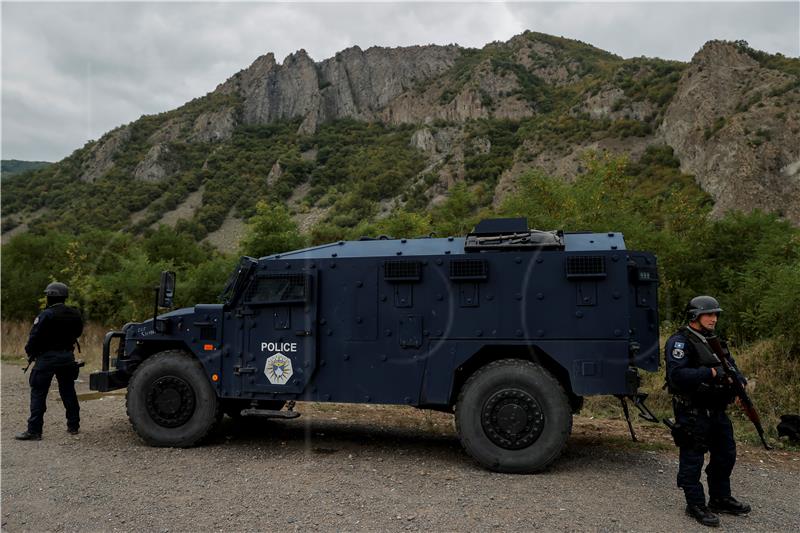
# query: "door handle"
303,333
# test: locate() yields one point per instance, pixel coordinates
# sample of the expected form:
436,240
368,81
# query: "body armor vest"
701,354
61,329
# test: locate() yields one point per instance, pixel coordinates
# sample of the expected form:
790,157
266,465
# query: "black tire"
513,416
233,406
170,400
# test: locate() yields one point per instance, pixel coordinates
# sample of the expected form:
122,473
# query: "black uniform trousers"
712,432
62,366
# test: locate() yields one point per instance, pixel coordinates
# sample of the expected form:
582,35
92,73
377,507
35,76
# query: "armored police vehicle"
508,327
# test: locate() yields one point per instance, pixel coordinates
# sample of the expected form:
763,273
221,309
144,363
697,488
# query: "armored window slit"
402,271
278,289
469,270
585,267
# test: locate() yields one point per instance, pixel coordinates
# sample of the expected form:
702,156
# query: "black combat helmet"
57,290
701,305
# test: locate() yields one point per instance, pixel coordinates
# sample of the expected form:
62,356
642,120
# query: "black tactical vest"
61,329
701,354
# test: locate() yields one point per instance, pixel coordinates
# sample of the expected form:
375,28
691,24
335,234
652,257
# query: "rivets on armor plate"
490,297
615,257
540,332
439,297
439,261
518,260
539,296
383,297
359,320
329,333
346,357
518,296
617,332
539,260
518,333
579,314
615,295
359,283
322,321
479,333
383,357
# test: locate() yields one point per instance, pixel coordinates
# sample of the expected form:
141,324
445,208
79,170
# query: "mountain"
366,132
10,167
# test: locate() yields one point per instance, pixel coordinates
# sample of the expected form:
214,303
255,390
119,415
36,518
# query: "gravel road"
344,467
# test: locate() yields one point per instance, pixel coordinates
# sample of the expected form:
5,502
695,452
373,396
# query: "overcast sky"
72,71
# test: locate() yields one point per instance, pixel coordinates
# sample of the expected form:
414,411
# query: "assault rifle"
744,400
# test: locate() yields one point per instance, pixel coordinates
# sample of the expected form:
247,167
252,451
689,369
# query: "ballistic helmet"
57,290
701,305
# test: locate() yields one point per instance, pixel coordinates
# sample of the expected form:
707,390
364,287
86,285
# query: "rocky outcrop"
100,157
734,125
155,166
214,126
355,83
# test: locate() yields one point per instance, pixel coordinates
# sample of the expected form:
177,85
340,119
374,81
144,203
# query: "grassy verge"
14,335
774,386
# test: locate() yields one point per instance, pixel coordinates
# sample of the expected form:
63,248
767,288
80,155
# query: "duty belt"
689,407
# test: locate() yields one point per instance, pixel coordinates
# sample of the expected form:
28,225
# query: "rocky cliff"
535,102
735,125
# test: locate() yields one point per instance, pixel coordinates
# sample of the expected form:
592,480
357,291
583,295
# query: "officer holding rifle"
52,338
702,385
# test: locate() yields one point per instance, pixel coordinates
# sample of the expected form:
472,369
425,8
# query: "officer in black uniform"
701,394
53,336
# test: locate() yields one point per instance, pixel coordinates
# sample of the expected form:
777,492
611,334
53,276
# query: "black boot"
728,505
25,435
702,515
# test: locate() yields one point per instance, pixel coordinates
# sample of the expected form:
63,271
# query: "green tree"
270,231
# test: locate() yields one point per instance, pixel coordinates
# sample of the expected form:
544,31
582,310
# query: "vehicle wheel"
170,400
513,416
233,406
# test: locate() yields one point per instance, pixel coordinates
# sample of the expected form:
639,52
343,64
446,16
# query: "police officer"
53,336
701,392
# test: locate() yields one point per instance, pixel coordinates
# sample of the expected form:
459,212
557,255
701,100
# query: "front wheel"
513,416
170,401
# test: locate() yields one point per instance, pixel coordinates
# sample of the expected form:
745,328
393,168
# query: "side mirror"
166,289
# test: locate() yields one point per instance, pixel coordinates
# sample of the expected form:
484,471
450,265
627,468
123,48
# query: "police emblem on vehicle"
278,369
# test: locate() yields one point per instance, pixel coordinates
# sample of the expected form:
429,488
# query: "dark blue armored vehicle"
509,328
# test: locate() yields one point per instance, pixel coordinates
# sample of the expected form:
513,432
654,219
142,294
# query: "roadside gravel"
344,467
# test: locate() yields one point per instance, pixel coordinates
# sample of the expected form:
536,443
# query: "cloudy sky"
72,71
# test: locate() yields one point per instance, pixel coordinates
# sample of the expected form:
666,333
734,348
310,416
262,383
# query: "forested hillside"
685,159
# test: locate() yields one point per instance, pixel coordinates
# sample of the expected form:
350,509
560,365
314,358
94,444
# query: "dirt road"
349,468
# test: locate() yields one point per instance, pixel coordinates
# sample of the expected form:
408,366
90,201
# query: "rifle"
745,402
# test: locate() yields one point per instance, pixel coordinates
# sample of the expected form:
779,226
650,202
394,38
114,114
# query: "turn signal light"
208,347
214,377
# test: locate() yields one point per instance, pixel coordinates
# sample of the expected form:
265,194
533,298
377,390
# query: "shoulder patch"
679,345
677,353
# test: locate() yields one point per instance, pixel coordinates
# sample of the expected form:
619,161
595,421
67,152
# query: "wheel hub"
512,419
170,401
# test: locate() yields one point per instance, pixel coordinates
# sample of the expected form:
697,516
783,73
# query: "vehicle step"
269,413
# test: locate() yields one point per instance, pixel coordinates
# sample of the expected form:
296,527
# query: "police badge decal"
278,369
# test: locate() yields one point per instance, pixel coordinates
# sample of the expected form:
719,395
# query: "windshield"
237,280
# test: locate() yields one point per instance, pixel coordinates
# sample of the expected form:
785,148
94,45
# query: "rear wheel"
170,400
513,416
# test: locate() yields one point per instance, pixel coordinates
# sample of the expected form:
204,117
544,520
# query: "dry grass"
774,386
14,335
